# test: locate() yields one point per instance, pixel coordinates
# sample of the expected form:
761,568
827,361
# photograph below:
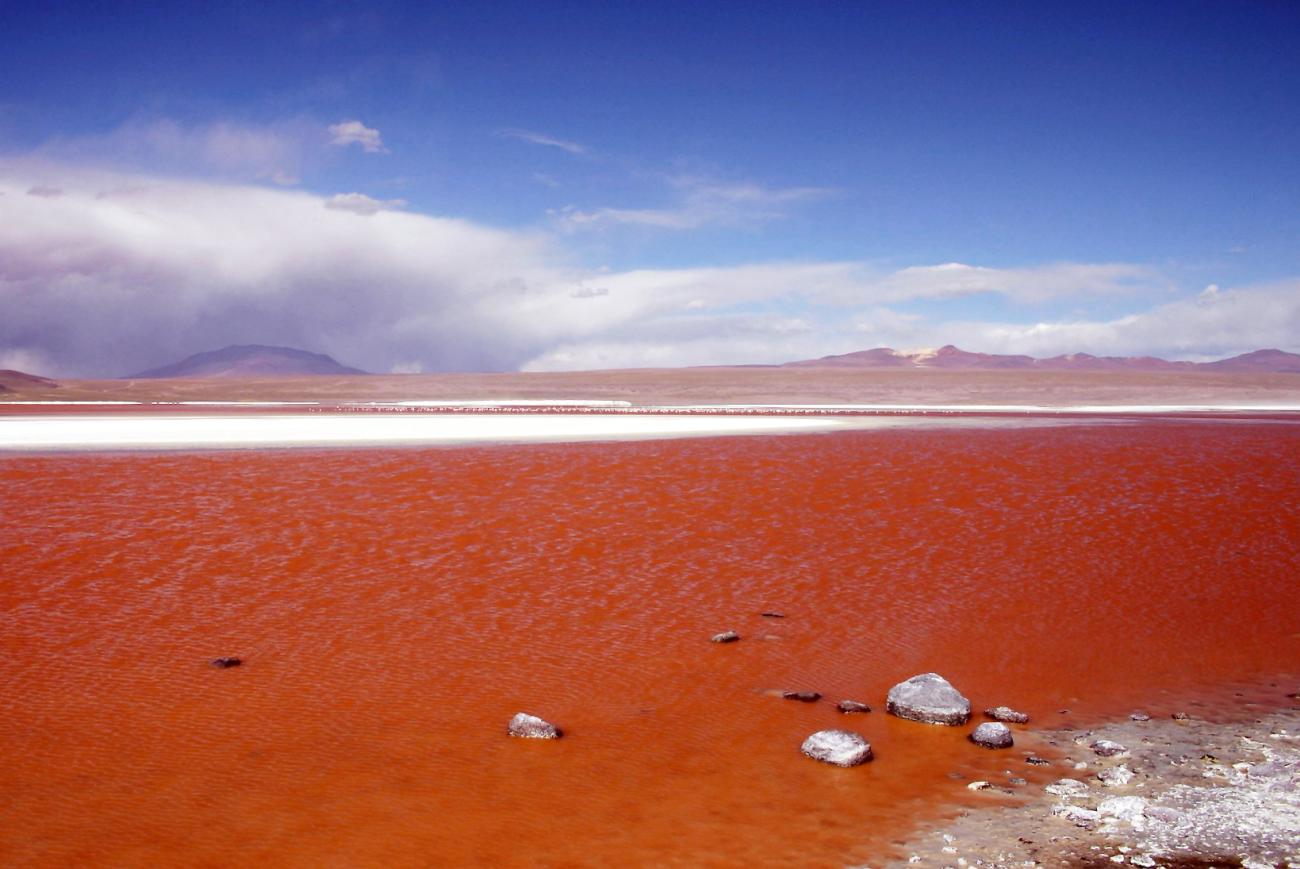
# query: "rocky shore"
1150,790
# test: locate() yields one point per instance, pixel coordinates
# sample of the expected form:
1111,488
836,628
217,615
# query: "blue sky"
646,183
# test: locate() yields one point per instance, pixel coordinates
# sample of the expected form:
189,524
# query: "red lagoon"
394,608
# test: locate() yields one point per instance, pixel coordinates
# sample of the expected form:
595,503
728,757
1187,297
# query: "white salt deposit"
272,430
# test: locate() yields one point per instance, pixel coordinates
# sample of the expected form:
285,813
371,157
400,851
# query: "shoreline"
1168,790
98,426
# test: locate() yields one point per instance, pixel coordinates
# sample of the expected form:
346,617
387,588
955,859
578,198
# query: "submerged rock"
851,706
992,735
226,663
838,747
725,637
1007,714
1034,760
929,698
527,726
772,615
802,696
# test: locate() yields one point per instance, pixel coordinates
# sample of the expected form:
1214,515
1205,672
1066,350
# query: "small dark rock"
1033,760
725,637
802,696
772,615
848,706
1016,780
1007,714
992,734
1180,716
226,663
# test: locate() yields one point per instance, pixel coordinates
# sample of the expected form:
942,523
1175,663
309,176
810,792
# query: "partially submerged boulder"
837,747
930,698
851,706
227,662
527,726
725,637
802,696
992,734
1007,714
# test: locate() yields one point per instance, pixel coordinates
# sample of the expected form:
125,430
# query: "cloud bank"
120,272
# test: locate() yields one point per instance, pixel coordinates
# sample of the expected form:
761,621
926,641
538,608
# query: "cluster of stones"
928,698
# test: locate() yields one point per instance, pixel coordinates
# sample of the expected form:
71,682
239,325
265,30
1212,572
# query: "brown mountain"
953,358
250,360
17,381
1260,361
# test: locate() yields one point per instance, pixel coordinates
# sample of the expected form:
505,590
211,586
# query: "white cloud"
122,272
360,203
697,202
542,139
45,192
1210,325
227,149
346,133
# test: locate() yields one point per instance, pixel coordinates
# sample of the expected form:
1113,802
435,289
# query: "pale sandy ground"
710,386
1216,790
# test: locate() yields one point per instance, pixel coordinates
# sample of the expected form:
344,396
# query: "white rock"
978,786
1076,814
1124,808
527,726
838,747
1067,787
1115,777
992,735
930,698
1108,748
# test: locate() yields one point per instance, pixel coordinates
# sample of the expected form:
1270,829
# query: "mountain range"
953,358
250,360
13,381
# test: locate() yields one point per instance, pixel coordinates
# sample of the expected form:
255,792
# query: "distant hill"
16,381
250,360
953,358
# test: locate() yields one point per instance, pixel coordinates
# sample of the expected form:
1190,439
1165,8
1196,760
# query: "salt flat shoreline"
1170,789
160,427
67,425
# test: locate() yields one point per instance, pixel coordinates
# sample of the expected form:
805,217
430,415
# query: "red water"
395,607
